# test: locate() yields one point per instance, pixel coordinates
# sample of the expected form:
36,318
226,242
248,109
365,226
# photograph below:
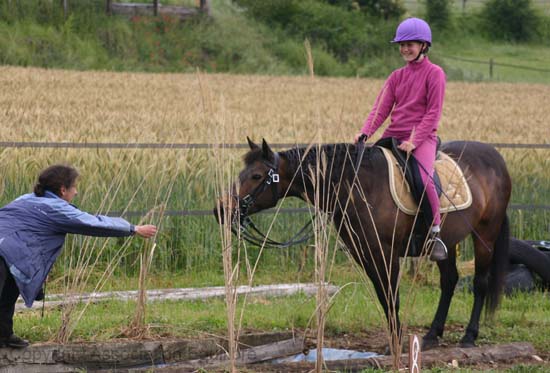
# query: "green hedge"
510,20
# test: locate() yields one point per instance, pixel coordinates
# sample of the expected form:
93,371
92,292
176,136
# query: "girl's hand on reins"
360,137
406,146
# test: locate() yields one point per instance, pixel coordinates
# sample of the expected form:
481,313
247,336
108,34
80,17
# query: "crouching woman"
32,233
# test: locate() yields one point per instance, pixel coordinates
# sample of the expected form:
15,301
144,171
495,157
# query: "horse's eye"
256,177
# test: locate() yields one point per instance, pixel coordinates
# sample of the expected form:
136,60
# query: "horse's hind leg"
447,282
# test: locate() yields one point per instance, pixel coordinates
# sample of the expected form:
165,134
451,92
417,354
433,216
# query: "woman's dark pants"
8,296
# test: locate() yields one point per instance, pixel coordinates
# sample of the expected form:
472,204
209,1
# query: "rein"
360,149
244,227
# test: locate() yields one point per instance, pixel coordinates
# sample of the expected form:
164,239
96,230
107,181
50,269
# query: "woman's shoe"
13,341
40,295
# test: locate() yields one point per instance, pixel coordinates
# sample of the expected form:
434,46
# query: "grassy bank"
468,59
344,43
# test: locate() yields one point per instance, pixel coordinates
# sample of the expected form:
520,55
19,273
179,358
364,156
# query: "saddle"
541,245
407,188
453,190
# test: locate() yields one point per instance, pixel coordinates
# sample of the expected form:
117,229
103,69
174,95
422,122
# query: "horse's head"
258,187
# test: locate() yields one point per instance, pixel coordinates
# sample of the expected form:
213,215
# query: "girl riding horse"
414,96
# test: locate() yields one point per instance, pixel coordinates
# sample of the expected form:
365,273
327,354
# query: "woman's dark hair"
54,177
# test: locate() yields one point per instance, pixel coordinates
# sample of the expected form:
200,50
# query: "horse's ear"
251,144
266,150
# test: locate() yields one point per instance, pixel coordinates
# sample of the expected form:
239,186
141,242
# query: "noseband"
244,227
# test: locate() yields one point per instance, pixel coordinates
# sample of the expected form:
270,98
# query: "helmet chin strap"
421,52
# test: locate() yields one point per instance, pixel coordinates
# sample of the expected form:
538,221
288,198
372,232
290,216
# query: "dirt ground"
376,341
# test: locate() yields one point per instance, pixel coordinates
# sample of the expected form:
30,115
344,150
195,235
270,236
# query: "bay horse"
356,194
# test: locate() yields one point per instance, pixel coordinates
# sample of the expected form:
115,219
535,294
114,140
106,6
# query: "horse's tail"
499,267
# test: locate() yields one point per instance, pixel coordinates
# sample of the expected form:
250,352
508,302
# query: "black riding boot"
438,248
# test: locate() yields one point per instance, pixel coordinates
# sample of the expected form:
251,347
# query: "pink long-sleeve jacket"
413,95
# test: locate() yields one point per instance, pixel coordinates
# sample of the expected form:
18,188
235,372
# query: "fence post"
204,6
155,7
491,68
108,7
65,5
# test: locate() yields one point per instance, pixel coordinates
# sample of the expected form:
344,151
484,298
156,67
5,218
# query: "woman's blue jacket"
32,233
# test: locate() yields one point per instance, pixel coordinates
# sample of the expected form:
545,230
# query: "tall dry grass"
55,105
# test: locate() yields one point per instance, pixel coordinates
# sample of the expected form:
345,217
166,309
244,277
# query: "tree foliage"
438,13
343,33
386,9
512,20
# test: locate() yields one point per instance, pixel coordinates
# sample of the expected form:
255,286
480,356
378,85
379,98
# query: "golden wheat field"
69,106
54,105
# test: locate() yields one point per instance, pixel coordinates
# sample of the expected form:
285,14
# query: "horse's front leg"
383,270
380,263
447,282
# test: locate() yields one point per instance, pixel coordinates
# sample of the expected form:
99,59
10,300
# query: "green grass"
478,49
523,317
268,272
33,34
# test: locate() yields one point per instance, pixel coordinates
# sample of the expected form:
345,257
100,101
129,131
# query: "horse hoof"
430,343
467,344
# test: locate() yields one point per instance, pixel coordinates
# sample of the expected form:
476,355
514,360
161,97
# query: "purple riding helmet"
413,29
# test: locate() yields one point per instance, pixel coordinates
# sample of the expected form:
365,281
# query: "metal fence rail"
65,145
491,62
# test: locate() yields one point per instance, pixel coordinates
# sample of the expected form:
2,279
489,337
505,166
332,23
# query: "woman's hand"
146,231
406,146
358,136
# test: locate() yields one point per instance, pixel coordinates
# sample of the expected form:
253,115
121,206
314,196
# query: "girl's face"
68,193
410,50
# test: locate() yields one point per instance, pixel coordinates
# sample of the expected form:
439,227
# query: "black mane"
337,155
